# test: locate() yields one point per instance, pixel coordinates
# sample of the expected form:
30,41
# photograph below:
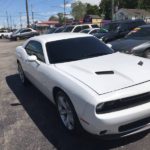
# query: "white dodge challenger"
105,93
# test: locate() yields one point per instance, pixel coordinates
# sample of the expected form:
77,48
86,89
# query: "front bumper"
119,123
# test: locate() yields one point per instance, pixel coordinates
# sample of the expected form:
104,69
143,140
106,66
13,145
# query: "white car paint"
87,89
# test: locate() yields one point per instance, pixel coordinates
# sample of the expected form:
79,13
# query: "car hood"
126,44
109,73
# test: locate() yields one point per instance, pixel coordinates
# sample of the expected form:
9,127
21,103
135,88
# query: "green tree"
92,10
105,8
78,10
106,5
60,18
53,18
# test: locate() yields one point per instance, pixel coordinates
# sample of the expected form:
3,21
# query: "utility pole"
112,9
7,20
65,12
27,13
10,22
32,14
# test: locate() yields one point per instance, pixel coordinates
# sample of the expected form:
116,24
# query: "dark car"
119,29
137,42
23,34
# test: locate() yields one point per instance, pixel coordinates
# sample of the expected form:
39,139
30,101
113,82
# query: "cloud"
68,5
92,2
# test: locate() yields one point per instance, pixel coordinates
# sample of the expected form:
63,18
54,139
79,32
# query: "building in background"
94,19
43,26
132,14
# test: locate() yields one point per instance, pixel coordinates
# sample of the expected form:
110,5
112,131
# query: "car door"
36,70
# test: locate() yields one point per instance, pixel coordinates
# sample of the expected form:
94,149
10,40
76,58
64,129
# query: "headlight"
106,107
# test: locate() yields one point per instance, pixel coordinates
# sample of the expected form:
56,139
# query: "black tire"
147,53
73,125
17,38
2,36
22,76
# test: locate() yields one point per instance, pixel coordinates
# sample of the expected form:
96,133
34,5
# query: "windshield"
17,31
111,26
102,30
75,49
68,29
139,33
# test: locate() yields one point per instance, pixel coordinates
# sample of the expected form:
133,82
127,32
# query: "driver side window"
35,48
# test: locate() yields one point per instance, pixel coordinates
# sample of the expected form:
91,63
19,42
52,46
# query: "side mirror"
32,58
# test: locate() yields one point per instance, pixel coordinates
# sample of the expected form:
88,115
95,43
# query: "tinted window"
94,26
111,26
85,31
26,30
35,48
59,30
94,31
85,27
77,29
75,49
139,33
68,29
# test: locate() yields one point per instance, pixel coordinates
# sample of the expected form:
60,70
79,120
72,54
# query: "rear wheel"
2,36
67,112
147,53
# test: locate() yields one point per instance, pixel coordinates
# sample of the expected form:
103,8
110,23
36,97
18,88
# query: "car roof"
58,36
127,21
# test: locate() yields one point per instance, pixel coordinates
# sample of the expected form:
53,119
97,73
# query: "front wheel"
22,75
67,112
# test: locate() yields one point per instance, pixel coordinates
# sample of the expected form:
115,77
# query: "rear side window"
94,26
68,29
35,48
85,27
77,29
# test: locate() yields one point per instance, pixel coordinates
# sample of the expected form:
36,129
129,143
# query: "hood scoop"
104,72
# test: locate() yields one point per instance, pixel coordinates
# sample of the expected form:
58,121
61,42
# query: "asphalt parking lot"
28,121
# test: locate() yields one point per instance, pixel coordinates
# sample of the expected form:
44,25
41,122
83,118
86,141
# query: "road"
28,121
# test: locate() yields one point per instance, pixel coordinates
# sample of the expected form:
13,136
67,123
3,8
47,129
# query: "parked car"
137,42
78,28
59,29
119,29
56,30
93,88
23,34
5,34
98,32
